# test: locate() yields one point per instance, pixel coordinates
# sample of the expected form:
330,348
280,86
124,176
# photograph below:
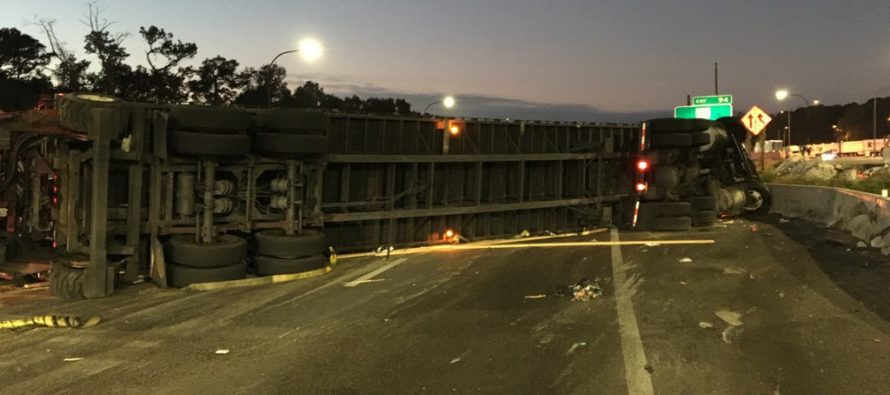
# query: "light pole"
447,101
781,95
310,50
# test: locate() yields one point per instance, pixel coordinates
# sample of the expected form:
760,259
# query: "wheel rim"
754,200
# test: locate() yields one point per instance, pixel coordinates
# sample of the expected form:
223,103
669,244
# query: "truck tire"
669,140
74,109
666,176
66,282
183,276
758,199
275,243
267,265
292,120
289,143
665,209
702,203
210,119
209,144
671,223
704,217
227,250
675,125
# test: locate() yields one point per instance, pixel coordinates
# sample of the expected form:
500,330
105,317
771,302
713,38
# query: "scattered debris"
222,351
50,321
682,282
539,296
781,295
583,291
729,317
686,260
649,369
575,347
727,334
783,221
454,361
861,245
733,270
705,325
72,359
754,228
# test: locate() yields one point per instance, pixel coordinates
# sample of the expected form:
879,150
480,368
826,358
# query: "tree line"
30,67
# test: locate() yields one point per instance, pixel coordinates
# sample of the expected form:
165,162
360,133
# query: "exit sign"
707,100
711,112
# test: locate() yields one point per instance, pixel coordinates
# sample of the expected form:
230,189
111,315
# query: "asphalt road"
773,309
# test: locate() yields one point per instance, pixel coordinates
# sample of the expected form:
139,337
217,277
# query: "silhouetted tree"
309,95
21,58
163,81
256,91
109,49
218,81
70,73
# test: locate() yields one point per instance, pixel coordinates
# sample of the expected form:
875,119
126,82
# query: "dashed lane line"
366,277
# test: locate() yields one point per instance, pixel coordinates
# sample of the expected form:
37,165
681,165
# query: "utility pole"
716,86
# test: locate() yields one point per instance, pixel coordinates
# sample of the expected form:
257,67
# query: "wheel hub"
754,200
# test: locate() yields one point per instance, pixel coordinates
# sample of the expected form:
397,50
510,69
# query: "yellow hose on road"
50,321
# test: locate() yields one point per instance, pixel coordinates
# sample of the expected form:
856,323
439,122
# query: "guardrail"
865,215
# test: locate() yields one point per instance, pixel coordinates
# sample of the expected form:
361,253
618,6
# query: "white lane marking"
371,275
638,380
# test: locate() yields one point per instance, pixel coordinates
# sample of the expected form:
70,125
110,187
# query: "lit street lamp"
781,95
310,50
447,102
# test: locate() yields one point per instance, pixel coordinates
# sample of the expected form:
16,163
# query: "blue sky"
608,56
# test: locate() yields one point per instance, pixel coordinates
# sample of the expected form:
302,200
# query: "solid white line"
638,380
365,278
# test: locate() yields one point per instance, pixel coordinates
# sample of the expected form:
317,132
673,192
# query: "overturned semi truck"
110,191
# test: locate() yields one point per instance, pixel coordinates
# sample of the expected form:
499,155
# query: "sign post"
755,120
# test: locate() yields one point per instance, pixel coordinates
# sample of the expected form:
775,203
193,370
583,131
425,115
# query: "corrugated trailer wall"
405,181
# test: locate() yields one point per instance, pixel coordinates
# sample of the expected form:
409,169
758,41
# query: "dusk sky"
597,56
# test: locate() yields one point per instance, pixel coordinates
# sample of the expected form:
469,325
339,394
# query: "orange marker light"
455,130
449,234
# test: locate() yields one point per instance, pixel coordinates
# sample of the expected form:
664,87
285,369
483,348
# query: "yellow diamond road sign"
755,120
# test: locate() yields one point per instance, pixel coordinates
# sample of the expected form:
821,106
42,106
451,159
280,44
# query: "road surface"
769,308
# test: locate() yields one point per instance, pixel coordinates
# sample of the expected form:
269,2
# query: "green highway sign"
707,100
711,112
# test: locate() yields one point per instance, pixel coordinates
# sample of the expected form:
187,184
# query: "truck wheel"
671,140
209,144
274,242
289,143
675,125
292,120
665,209
66,282
226,250
703,202
267,265
666,176
758,199
74,108
183,276
704,217
672,223
210,119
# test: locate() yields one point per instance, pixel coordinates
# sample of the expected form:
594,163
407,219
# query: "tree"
218,81
70,73
109,49
21,58
164,82
310,95
20,54
256,91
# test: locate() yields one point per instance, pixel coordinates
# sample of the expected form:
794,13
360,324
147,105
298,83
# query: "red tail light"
643,165
641,187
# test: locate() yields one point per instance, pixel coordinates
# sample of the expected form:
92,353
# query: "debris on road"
50,321
575,347
222,351
583,291
686,260
682,282
861,245
72,359
729,317
454,361
705,325
539,296
783,221
754,228
733,270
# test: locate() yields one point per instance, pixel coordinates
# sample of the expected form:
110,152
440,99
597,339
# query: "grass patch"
873,184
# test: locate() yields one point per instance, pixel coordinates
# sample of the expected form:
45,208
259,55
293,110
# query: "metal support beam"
97,283
290,214
207,232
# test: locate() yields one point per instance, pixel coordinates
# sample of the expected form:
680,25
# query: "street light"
447,101
310,50
781,95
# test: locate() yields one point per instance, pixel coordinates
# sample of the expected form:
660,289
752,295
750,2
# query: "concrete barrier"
865,215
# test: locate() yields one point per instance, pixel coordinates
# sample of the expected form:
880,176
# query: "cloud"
477,105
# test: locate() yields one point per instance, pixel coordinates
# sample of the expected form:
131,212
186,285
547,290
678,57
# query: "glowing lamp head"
781,94
448,102
310,49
